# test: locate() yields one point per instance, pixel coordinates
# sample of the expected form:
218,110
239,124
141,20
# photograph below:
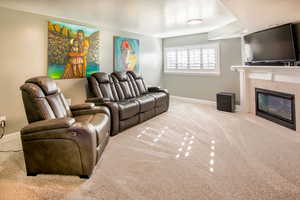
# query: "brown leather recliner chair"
61,139
127,97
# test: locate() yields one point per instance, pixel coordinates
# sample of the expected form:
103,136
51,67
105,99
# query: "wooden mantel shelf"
279,74
266,68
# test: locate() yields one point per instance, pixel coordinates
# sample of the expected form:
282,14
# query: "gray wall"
23,54
206,86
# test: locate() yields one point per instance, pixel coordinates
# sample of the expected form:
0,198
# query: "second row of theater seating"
126,95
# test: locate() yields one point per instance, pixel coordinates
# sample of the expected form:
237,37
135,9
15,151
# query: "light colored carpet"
192,152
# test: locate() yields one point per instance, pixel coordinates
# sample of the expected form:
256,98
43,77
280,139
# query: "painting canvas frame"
126,54
73,50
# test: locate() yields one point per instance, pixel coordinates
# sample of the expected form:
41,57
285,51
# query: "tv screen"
272,45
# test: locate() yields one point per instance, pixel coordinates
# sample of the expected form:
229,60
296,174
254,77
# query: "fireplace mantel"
266,68
282,74
272,73
283,79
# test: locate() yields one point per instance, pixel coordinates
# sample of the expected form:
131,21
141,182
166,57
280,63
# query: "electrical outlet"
2,121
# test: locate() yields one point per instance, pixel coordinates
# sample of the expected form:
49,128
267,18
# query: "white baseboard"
9,135
237,107
193,99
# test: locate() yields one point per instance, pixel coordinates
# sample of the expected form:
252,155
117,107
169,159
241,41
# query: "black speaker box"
226,101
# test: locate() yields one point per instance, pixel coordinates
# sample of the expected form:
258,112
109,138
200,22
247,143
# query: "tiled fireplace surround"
276,78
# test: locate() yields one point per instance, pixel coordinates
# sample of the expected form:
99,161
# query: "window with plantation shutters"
171,59
192,59
195,58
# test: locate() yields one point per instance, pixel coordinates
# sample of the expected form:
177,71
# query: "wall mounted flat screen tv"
272,45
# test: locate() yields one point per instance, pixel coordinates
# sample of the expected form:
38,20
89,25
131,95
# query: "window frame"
215,72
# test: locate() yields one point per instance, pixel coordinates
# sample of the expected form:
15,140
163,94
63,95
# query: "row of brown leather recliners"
63,139
127,97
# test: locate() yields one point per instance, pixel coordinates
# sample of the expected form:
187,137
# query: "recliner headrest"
47,84
33,90
121,76
102,77
134,75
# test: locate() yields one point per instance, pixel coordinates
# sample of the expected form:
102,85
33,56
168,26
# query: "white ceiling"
161,18
167,18
256,15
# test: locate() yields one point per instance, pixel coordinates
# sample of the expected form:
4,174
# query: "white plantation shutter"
195,58
200,58
208,58
182,58
171,59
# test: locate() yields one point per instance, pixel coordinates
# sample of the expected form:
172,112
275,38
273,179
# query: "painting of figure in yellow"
126,54
73,50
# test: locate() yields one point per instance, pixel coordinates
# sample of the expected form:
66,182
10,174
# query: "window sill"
202,73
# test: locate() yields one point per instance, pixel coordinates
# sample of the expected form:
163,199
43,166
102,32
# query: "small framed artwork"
126,54
73,50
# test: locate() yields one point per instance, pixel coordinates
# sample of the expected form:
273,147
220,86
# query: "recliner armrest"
97,100
82,106
94,110
157,89
48,125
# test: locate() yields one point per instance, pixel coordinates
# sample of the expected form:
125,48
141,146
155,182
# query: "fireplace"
276,106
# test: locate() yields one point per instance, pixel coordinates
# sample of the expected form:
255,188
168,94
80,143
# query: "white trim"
286,74
214,72
237,107
266,68
8,135
243,90
207,45
291,78
283,74
197,73
194,100
276,77
261,76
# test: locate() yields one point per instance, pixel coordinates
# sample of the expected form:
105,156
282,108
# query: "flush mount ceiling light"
194,21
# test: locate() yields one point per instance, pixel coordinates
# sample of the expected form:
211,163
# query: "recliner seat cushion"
147,115
128,109
124,124
161,98
147,102
101,123
161,109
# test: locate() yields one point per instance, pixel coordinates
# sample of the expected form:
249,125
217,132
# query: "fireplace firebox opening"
276,106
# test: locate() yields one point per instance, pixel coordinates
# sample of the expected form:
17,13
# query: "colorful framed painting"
126,54
73,50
